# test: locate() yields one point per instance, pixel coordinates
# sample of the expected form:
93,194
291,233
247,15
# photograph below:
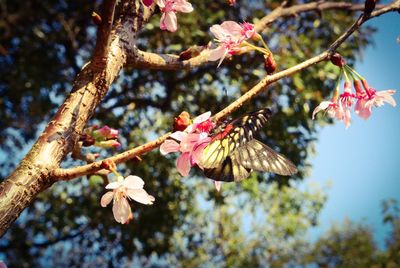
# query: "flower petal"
183,6
201,118
218,32
231,27
217,53
170,21
133,182
217,185
322,106
198,150
106,199
178,135
183,164
141,196
169,146
362,109
386,96
121,210
163,26
189,142
113,185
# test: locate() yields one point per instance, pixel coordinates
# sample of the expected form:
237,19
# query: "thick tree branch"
67,174
33,175
148,60
104,34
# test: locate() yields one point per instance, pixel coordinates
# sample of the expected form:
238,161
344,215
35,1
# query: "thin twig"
71,173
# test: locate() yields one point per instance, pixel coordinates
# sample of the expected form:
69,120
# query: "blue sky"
363,163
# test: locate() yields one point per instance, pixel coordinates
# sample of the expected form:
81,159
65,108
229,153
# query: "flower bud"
108,165
232,2
105,133
369,6
269,64
96,18
337,60
182,121
108,144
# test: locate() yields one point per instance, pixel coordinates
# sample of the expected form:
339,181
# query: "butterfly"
234,152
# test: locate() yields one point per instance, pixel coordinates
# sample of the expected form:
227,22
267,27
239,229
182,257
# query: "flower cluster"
231,37
190,143
364,97
129,188
169,8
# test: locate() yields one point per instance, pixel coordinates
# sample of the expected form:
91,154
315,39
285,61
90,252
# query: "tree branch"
67,174
104,34
71,173
148,60
295,10
33,175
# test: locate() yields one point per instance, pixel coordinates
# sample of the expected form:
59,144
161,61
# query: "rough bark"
33,175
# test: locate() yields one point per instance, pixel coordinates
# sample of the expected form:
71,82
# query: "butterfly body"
233,152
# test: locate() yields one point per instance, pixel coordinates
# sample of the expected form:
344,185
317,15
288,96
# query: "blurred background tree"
43,44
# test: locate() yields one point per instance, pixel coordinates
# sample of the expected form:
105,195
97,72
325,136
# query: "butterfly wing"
229,170
254,155
235,134
258,156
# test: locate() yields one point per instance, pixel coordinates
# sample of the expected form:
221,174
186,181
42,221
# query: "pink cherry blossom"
369,97
334,109
248,30
201,123
229,35
346,101
131,187
169,8
191,146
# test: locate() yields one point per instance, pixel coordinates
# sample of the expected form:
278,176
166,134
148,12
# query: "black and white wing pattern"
233,152
253,155
233,135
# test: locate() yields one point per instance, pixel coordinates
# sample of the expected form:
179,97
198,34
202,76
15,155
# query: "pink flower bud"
182,121
106,133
